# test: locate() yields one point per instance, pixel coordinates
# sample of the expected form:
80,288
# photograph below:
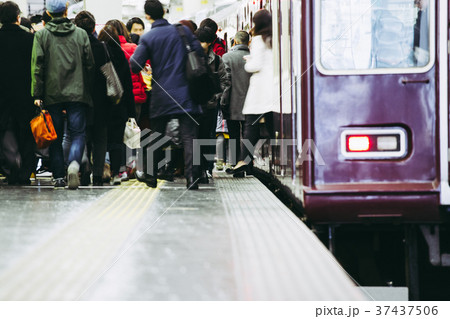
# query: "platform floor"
231,240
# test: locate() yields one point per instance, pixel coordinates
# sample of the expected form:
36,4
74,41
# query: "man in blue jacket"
163,46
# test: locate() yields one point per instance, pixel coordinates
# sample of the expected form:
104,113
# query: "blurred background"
177,10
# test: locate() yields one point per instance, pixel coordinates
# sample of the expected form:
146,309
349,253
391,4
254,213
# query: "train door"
375,76
283,148
296,16
444,49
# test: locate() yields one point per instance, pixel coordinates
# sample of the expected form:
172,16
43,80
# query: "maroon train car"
363,85
372,110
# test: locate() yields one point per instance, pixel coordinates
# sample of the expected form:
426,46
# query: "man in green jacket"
62,69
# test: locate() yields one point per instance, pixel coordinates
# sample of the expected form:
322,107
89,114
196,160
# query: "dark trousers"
17,146
99,139
116,153
156,143
207,131
76,121
235,130
252,133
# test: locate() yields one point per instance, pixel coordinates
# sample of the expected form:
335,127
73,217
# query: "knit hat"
56,6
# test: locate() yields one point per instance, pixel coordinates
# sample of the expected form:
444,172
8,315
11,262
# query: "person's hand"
38,103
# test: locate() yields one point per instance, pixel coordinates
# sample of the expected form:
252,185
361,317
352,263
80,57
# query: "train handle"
407,81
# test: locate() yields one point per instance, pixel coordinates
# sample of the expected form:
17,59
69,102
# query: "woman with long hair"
259,102
125,109
128,48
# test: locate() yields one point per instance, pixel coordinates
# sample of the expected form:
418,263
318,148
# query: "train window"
375,36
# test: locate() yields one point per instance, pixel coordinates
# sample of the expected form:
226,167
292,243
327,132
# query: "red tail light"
374,143
358,143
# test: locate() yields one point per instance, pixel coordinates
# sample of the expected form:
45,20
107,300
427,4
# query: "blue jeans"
76,122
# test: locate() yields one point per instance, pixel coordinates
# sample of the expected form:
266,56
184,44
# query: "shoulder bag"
198,74
114,89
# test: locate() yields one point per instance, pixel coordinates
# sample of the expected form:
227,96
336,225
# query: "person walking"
62,71
16,106
125,109
208,120
240,80
219,46
128,47
136,28
259,102
164,47
99,116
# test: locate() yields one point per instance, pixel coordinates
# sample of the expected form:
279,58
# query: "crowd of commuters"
54,63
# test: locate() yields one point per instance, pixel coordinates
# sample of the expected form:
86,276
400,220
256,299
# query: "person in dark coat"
25,22
240,80
219,46
1,2
16,105
126,108
98,117
163,46
208,120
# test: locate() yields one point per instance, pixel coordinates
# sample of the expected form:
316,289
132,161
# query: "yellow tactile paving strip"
71,260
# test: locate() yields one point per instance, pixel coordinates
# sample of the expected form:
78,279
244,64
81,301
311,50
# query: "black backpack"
202,86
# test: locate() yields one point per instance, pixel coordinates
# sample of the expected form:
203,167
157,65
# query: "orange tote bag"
43,130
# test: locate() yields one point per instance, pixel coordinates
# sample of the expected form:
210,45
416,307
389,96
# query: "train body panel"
359,67
372,207
374,72
374,98
342,102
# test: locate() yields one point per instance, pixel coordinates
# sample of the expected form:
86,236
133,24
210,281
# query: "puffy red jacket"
138,83
219,46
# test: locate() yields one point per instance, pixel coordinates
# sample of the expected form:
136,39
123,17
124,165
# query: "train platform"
230,240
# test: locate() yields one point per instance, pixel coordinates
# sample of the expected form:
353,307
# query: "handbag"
132,134
43,130
173,131
199,76
114,89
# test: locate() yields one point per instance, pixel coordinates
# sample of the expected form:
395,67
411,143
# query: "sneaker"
116,180
219,165
124,177
60,183
73,179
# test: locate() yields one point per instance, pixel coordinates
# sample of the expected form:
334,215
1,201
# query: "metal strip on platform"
276,256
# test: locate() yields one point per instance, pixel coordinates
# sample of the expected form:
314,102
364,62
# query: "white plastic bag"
132,135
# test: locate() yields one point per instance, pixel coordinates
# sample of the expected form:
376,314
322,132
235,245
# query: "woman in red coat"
128,48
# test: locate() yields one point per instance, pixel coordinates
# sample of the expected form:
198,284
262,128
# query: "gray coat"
240,79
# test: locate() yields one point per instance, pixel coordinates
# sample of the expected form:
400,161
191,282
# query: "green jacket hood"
60,26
